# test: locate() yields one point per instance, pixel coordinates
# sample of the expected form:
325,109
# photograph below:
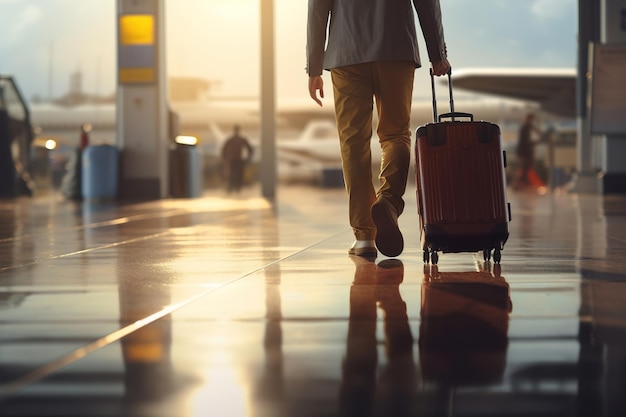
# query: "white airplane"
307,139
554,90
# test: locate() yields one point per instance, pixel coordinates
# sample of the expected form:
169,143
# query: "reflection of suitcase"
461,193
464,327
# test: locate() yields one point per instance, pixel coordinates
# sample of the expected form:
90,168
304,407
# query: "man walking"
370,48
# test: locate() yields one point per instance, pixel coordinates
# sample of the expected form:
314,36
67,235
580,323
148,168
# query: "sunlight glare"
223,393
218,204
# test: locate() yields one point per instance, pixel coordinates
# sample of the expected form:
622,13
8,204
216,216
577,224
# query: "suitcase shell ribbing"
461,187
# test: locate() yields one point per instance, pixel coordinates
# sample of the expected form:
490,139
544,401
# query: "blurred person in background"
71,184
7,166
525,152
236,154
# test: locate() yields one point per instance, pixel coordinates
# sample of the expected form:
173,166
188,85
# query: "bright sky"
46,40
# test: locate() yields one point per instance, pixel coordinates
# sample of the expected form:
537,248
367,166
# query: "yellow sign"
136,75
137,29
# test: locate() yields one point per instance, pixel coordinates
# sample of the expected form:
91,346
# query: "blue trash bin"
99,172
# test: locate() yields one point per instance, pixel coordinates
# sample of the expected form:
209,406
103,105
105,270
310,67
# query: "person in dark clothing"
7,166
236,153
83,140
71,186
525,151
8,174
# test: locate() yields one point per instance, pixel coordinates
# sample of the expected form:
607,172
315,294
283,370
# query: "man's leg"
393,90
353,93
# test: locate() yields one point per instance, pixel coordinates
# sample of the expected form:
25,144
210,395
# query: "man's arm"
429,15
317,23
316,84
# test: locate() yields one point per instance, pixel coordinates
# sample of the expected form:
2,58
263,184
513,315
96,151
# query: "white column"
141,99
268,105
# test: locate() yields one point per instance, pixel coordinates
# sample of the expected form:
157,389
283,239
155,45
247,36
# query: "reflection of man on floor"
236,154
394,390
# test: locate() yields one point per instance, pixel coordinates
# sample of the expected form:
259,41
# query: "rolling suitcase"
461,185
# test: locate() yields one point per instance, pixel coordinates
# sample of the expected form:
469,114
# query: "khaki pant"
355,88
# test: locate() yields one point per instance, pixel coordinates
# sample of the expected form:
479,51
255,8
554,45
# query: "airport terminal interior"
236,305
171,297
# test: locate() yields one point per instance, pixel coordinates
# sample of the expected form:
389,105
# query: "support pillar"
268,104
613,145
141,99
587,180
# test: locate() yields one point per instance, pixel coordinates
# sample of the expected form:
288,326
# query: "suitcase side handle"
452,115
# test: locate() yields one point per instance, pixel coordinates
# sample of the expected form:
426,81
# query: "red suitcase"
461,185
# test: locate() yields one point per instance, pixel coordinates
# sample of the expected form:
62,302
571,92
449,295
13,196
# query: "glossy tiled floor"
234,307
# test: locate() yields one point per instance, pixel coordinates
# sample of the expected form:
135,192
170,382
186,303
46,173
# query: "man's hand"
441,67
316,83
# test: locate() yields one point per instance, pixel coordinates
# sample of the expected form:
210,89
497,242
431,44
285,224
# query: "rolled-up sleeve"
317,24
429,15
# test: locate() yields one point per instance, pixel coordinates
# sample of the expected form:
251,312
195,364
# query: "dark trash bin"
185,172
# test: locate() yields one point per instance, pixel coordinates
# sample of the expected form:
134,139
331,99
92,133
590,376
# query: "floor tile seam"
87,250
541,338
14,387
106,223
88,226
554,285
55,322
617,239
544,316
95,248
299,320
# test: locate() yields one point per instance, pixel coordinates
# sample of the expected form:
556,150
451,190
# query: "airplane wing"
553,89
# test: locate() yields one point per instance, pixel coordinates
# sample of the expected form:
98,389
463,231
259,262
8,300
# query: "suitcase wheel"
497,255
434,257
431,256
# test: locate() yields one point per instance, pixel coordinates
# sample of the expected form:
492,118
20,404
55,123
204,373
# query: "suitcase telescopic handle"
452,114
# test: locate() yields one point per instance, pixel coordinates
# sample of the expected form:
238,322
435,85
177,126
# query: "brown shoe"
389,240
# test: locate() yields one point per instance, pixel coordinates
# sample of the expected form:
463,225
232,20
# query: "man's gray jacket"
371,30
